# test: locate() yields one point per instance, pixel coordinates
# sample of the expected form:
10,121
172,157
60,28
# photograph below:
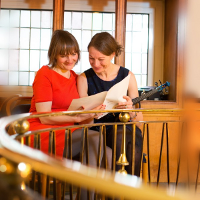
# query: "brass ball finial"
21,126
124,117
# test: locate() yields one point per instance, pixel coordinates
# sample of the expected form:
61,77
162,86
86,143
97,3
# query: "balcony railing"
39,169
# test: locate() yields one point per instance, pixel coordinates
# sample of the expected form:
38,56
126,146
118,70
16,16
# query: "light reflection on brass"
21,126
124,117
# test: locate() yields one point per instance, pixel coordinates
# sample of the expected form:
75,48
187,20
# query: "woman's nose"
96,63
68,58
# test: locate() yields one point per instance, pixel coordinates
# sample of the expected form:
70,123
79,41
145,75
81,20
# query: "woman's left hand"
125,105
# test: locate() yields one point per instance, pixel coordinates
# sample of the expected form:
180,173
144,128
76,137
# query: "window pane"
14,60
3,59
128,42
128,61
46,21
23,78
4,19
85,64
25,18
3,78
87,21
114,21
34,60
129,22
24,38
138,80
137,22
144,79
4,37
67,20
136,42
95,32
144,36
31,78
144,63
77,68
107,22
24,60
14,38
145,21
87,37
77,35
45,38
13,78
43,58
136,63
14,18
76,20
35,19
35,38
97,21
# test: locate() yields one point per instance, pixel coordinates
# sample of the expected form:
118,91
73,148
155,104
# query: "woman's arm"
56,120
132,93
82,85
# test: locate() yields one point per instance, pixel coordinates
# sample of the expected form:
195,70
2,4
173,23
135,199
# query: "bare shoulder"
82,85
81,77
132,76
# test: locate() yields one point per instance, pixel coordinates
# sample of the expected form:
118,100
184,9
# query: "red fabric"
51,86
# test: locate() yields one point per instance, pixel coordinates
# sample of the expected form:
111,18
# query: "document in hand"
109,98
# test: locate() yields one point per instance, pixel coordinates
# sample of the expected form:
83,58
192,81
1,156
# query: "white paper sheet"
109,98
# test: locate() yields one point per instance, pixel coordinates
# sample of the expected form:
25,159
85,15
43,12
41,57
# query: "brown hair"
106,44
62,43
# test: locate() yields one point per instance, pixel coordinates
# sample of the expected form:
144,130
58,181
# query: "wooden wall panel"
58,14
170,47
120,28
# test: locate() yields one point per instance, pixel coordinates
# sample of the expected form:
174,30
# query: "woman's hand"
101,107
125,105
83,117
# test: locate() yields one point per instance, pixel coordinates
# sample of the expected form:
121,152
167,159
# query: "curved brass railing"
105,182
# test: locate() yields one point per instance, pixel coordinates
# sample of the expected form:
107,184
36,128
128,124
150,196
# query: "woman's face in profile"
66,62
98,61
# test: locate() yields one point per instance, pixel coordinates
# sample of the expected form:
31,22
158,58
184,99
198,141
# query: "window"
24,41
25,36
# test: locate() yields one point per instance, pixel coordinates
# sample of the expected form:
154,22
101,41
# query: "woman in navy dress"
101,77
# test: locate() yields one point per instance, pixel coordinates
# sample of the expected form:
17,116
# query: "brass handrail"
128,187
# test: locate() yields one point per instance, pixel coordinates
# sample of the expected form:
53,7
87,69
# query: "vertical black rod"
65,155
33,171
167,140
81,158
148,153
70,157
39,174
99,150
87,146
143,136
179,154
50,153
104,146
133,149
82,145
161,147
54,154
87,155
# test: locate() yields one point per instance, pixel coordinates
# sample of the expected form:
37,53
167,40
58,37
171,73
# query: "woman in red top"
54,88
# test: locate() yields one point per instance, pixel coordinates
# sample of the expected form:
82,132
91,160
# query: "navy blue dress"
97,85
